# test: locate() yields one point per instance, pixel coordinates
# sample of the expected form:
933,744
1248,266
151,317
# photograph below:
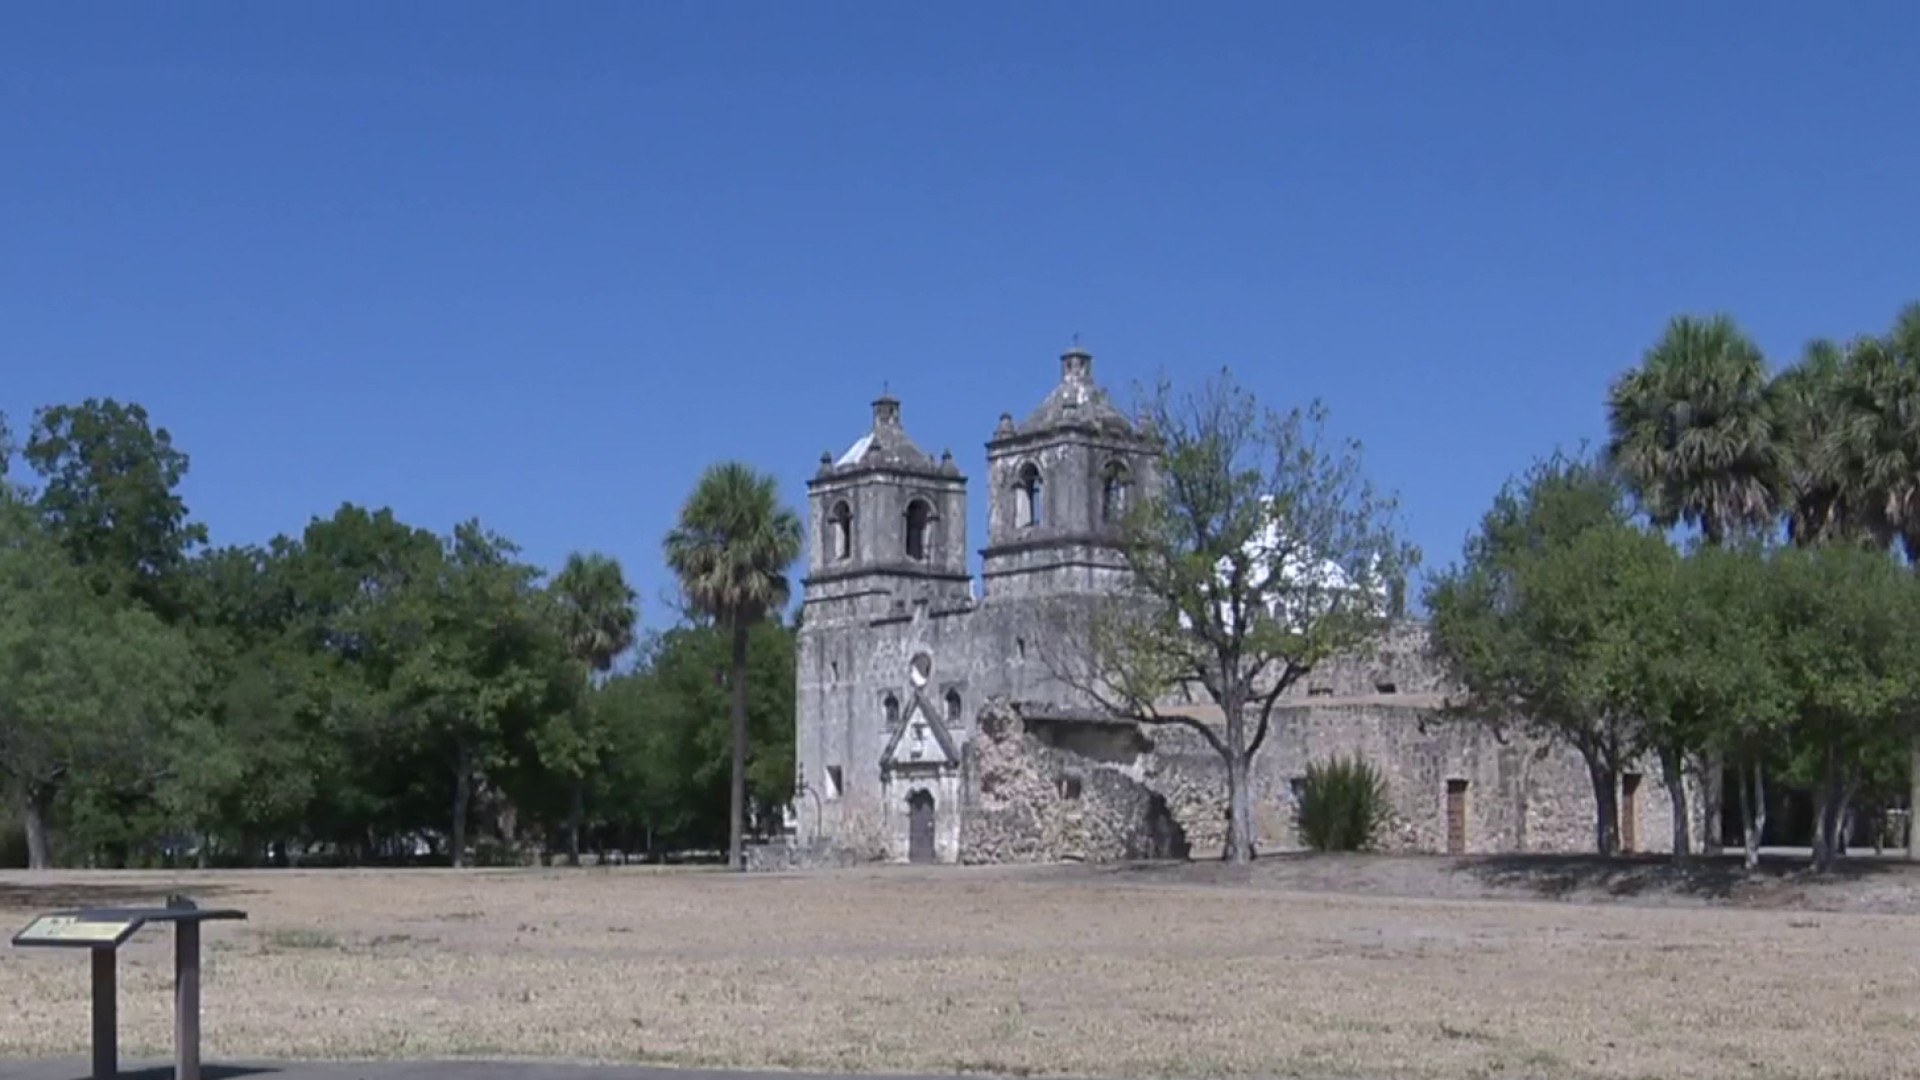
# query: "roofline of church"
831,474
1043,543
891,569
1117,440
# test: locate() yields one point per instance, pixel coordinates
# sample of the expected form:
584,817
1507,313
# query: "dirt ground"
1357,967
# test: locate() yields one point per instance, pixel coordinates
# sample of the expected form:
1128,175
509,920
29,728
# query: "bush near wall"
1343,805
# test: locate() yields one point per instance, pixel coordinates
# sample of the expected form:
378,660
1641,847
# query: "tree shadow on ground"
1722,877
1781,880
59,895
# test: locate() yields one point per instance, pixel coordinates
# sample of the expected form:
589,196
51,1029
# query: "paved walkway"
78,1068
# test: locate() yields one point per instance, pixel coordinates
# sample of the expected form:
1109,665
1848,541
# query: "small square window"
835,782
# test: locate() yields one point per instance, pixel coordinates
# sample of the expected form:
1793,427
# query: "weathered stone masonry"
930,729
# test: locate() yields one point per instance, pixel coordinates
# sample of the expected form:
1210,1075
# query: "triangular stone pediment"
921,739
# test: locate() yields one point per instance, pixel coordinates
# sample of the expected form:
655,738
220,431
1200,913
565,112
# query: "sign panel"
74,930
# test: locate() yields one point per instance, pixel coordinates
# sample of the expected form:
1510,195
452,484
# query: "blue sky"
541,263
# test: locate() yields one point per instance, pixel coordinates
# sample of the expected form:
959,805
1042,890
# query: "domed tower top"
887,524
886,446
1076,402
1062,480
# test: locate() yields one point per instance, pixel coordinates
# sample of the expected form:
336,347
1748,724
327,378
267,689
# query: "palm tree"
1815,492
1874,444
1691,430
731,550
1873,453
1691,435
598,614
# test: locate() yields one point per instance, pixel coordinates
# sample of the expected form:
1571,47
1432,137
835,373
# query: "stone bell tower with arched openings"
1060,483
895,656
888,527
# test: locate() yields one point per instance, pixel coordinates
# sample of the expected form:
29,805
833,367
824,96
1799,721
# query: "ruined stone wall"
1396,665
1518,796
1027,798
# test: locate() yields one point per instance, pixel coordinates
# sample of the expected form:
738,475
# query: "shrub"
1343,805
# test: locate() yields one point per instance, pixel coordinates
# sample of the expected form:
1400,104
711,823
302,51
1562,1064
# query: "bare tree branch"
1260,552
1193,722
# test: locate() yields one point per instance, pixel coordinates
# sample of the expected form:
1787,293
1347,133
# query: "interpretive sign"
101,931
75,930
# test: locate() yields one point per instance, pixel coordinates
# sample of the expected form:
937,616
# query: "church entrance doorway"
920,827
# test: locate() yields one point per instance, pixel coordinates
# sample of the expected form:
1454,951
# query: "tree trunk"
1753,811
574,815
737,802
1239,845
1673,774
1606,806
1713,799
462,798
1830,806
1842,819
35,808
1913,797
1238,848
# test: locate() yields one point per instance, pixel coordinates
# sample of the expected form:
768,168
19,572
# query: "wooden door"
1456,817
920,828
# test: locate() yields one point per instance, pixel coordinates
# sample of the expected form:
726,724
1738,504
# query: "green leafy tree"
336,589
1258,550
598,614
480,663
88,684
1692,435
1553,622
1721,672
1847,415
264,695
1849,659
669,724
1875,447
730,551
109,491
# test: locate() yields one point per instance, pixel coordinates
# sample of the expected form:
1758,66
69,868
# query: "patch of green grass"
300,937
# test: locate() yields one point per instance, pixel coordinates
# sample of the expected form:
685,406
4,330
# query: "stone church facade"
930,727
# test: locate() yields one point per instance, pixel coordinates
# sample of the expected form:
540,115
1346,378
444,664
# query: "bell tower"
887,527
1061,483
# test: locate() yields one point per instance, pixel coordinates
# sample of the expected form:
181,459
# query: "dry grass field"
1299,968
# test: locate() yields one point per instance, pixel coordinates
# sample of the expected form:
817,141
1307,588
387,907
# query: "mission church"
906,677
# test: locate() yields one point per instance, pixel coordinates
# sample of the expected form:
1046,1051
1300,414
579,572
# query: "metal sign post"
103,931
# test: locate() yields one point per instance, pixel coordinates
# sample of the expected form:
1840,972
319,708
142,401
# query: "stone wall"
848,668
1382,704
1027,797
1396,666
1520,795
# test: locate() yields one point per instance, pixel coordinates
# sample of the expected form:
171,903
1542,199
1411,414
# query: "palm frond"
733,544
